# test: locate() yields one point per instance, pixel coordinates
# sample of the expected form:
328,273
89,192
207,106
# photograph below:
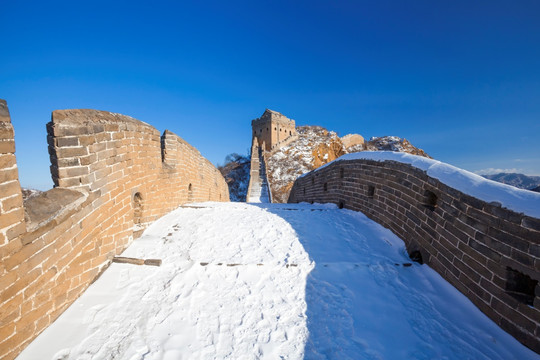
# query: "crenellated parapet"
273,129
113,176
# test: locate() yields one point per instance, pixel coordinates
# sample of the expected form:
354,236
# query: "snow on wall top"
518,200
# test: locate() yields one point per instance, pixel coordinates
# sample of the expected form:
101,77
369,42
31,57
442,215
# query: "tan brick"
7,330
11,310
35,286
10,248
7,146
11,218
20,336
8,279
19,285
7,161
24,254
11,203
16,231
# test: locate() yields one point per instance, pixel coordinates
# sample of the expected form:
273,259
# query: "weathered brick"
509,239
71,152
484,250
7,146
533,224
67,141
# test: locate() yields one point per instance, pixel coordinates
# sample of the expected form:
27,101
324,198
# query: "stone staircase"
258,191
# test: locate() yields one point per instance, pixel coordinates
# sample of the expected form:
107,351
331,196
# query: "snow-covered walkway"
241,281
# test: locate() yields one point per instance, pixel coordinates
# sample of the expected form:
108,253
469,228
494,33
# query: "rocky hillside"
317,146
236,174
391,143
518,180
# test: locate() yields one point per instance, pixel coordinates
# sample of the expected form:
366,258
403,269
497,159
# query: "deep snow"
242,281
510,197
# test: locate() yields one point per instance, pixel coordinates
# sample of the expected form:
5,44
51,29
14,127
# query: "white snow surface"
272,281
510,197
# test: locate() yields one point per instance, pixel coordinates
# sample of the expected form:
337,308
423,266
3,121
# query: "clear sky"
459,79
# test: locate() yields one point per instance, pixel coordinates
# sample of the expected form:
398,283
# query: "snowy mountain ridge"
317,146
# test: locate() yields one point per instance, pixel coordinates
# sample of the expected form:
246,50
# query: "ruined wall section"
489,253
112,178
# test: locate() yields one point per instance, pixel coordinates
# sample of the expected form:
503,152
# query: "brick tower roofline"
273,129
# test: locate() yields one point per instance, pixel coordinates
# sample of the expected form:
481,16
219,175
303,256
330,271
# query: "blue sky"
460,79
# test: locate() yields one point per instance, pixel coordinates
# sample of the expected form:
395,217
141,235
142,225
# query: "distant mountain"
28,193
537,189
518,180
316,146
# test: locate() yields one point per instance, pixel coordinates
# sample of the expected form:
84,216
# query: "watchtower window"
341,172
520,286
325,186
312,181
371,191
290,133
341,205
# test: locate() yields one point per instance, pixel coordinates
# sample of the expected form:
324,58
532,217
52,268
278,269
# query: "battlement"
113,176
272,129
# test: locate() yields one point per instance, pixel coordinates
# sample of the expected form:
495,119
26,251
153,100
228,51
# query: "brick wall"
489,253
113,176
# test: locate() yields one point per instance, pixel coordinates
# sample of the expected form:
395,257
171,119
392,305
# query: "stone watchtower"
273,129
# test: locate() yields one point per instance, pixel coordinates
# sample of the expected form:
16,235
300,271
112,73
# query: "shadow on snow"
367,300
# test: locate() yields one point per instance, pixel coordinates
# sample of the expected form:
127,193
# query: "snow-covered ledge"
510,197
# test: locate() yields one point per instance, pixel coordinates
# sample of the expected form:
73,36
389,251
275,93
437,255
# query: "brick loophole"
371,191
430,200
520,286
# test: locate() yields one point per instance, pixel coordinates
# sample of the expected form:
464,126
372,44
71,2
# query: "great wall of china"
113,176
490,253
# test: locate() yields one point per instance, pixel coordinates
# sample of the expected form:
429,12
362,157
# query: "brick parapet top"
4,112
93,117
272,116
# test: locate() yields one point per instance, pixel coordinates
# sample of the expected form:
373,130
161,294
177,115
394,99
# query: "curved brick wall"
489,253
113,176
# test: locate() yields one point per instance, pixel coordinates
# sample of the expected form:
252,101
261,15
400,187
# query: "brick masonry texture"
478,247
115,175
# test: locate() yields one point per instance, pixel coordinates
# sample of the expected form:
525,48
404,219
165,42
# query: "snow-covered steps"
228,289
259,191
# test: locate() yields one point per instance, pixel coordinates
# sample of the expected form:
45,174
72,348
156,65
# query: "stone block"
71,152
67,141
7,146
533,224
